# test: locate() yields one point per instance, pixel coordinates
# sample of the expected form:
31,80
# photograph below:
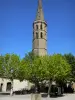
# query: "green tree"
26,61
1,66
58,69
34,71
51,68
71,60
29,56
11,67
22,70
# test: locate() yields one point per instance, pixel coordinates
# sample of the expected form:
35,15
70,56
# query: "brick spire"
40,15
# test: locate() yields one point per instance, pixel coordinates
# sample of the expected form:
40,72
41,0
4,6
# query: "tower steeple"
40,15
40,32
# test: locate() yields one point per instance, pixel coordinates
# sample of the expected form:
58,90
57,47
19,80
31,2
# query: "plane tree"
50,68
71,60
58,68
11,67
1,66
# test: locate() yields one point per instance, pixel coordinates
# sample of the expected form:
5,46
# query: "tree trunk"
49,89
37,87
11,92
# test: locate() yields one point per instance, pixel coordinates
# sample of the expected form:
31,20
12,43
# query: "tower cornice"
39,21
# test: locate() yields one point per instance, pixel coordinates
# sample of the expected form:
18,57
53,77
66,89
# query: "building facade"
5,85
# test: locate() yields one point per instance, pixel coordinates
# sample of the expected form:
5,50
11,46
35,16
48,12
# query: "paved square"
28,97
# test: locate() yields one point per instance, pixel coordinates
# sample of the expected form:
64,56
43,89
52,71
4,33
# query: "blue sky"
16,19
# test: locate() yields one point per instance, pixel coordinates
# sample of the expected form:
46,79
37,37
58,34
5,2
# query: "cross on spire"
40,15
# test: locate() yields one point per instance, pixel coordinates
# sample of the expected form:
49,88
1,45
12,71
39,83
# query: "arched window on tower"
37,35
41,35
41,26
37,27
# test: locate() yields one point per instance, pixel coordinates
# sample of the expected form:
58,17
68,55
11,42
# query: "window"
41,35
41,26
36,35
37,27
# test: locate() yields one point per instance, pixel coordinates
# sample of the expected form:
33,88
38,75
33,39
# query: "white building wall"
4,82
17,85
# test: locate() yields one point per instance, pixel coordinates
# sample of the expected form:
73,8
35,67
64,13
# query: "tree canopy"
45,68
9,64
1,66
71,60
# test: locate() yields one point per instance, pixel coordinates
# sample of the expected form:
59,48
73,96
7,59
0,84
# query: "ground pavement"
28,97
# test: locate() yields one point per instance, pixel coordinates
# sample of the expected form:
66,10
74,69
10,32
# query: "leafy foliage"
52,67
71,60
61,69
36,68
11,65
1,66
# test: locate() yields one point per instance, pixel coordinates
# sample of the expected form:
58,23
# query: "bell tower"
39,32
